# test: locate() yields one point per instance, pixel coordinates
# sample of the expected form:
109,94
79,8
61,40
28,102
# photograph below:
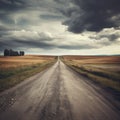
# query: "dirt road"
57,93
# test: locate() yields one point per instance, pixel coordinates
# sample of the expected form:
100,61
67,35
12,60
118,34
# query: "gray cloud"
81,15
78,47
51,17
12,5
37,24
26,13
43,40
112,37
21,44
110,34
92,15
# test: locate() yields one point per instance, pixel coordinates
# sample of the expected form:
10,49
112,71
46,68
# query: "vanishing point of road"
58,93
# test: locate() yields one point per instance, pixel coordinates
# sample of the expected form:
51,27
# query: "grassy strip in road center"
11,77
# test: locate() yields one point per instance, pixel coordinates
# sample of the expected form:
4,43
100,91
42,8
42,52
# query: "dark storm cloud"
51,17
23,23
44,42
9,9
112,37
11,5
3,28
6,19
17,43
92,15
77,47
34,44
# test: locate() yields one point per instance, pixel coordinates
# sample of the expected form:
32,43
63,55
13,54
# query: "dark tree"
22,53
13,53
6,52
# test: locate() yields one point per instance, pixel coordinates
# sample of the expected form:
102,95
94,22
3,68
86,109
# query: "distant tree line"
10,52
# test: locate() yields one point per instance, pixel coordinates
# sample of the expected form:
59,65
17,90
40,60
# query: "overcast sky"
83,27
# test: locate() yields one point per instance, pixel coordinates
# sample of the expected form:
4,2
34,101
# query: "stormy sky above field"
60,26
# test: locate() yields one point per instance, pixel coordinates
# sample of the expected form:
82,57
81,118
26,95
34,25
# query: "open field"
104,70
18,61
94,59
15,69
58,93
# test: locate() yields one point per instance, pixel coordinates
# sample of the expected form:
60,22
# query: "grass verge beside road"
102,75
14,75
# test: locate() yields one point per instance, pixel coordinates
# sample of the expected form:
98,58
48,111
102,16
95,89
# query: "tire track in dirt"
58,107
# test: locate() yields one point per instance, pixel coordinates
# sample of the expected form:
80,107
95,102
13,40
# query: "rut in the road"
58,107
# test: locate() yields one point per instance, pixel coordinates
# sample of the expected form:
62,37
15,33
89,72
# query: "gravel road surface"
58,93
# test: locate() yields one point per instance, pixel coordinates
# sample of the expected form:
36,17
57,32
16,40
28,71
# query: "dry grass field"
19,61
104,70
13,70
94,59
